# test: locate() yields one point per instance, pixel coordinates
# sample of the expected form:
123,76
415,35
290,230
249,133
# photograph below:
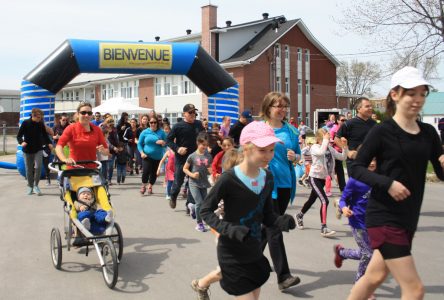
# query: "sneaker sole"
330,234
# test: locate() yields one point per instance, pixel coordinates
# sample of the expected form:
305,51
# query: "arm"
319,151
162,161
437,156
170,139
218,192
186,170
141,142
64,139
20,133
102,145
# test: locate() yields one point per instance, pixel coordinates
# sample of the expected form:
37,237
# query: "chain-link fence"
8,140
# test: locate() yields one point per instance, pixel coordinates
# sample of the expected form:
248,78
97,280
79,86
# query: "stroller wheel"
118,241
110,269
56,248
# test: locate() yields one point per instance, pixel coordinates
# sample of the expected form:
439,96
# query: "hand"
143,155
24,144
83,208
69,161
441,160
352,154
344,142
195,175
182,150
398,191
100,148
130,140
327,135
160,142
291,155
346,211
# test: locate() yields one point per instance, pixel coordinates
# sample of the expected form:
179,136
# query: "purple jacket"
356,195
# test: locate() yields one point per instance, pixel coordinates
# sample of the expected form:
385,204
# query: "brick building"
269,54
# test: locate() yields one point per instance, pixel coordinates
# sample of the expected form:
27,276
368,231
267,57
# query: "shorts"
392,242
307,168
240,279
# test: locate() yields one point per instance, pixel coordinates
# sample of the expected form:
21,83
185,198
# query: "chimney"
209,21
188,31
228,23
157,38
265,16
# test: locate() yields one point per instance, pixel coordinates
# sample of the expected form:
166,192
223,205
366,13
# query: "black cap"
189,107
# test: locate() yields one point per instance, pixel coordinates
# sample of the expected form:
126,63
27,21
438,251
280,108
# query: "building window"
277,50
167,86
299,86
123,90
287,85
299,54
307,87
92,94
187,86
158,86
278,83
307,118
175,85
287,52
299,117
136,88
307,55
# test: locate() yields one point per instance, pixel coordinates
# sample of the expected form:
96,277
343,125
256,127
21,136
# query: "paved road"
163,252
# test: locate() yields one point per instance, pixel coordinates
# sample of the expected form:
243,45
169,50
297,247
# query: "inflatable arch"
75,56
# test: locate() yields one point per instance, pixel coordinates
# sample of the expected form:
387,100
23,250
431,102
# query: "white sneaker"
326,232
168,197
86,223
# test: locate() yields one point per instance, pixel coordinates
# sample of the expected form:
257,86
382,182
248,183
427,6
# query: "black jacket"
34,134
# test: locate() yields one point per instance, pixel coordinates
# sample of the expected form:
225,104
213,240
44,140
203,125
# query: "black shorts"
392,242
240,279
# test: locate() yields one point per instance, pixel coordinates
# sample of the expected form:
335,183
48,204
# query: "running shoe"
29,190
299,221
289,282
202,293
338,258
37,191
173,201
200,227
327,232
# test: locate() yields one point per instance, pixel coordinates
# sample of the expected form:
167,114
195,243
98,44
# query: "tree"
357,78
414,29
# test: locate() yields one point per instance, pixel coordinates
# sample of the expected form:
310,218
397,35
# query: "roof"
268,37
434,104
10,93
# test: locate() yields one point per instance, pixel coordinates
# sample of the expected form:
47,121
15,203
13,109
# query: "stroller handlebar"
78,164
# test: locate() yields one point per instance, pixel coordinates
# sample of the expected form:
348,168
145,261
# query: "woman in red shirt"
83,138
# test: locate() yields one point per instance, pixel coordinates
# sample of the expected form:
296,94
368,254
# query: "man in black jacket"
235,131
32,136
182,140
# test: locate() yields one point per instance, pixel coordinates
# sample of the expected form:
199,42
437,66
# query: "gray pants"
199,194
33,165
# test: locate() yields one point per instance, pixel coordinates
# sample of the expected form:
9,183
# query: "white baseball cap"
408,77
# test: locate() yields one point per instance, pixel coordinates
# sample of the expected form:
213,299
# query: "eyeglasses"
84,112
280,106
153,122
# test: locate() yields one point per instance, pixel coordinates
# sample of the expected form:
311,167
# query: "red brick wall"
209,21
146,89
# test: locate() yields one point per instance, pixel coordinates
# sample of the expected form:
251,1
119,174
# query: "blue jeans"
199,195
121,172
169,185
97,219
111,167
104,169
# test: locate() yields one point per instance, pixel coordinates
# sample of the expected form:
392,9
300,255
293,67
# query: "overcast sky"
30,30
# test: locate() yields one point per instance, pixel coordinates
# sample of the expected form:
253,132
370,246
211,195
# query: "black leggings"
339,170
317,191
149,173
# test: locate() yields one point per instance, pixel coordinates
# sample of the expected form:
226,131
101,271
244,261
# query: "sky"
30,30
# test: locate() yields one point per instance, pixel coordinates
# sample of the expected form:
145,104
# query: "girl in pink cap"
246,191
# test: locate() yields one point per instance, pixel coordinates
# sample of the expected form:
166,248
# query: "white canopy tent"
116,106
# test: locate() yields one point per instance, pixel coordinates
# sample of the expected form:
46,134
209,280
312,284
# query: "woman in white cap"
402,146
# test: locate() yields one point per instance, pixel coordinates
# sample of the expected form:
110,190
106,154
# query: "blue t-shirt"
254,184
280,166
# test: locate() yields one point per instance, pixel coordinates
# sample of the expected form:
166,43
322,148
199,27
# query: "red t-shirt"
82,144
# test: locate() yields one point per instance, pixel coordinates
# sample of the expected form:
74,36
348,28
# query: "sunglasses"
192,112
342,120
153,122
84,112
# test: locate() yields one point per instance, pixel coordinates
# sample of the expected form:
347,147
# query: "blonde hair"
232,158
320,134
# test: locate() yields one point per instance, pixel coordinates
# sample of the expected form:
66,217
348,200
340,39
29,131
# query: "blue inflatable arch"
75,56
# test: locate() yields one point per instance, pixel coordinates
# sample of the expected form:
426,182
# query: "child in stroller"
90,213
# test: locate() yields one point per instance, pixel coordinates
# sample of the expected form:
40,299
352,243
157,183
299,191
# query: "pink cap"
258,133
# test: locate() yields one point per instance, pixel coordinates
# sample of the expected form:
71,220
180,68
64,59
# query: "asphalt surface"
163,252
